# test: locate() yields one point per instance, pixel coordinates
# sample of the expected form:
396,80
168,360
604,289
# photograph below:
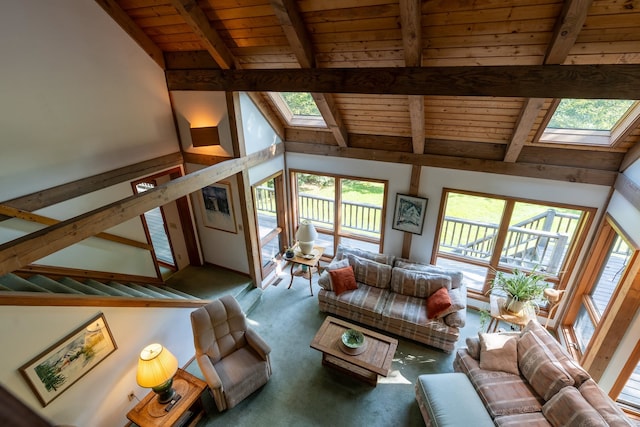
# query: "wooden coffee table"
373,361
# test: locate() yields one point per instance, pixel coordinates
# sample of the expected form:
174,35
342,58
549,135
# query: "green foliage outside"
300,103
591,114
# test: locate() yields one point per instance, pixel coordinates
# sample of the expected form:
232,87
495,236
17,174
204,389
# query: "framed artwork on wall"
409,213
217,207
57,368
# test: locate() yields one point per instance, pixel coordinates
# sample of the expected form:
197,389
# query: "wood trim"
204,159
51,196
138,35
416,115
632,156
199,23
626,126
30,216
525,123
27,249
68,300
625,373
414,186
558,173
617,81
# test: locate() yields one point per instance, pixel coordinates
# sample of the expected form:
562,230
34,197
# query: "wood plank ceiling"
482,132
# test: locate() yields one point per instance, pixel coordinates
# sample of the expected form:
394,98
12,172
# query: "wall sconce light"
156,368
305,236
205,136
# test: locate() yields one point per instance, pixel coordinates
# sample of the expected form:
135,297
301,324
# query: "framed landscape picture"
57,368
409,213
217,207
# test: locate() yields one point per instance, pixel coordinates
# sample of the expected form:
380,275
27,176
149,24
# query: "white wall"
258,134
79,98
98,399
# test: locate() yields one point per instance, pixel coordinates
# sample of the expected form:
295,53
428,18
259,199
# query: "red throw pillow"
438,302
343,280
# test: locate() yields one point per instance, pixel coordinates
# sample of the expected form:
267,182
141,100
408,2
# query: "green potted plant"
521,289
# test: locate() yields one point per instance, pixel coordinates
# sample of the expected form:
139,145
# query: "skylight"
589,114
298,108
589,121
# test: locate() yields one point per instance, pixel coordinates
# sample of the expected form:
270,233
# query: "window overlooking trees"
589,121
343,209
481,234
298,108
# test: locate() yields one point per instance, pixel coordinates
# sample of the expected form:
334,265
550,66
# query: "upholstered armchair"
233,358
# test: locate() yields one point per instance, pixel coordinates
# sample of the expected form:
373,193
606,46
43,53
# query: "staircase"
248,297
39,283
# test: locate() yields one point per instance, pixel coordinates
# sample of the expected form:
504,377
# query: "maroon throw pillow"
343,280
438,302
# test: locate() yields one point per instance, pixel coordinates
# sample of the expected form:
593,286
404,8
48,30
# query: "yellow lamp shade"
156,366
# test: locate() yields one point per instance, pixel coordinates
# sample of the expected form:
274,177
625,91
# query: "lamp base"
165,392
306,247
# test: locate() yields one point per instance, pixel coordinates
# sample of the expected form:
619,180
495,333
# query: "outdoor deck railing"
362,217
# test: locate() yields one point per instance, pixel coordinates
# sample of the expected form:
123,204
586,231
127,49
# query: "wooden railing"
541,240
359,217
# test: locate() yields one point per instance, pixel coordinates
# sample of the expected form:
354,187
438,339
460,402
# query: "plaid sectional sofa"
550,388
392,295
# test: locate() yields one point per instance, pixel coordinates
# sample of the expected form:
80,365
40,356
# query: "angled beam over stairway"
34,246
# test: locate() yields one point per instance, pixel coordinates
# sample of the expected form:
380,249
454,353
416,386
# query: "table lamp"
156,368
305,236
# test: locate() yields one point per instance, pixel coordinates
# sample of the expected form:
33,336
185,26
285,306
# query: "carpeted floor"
302,392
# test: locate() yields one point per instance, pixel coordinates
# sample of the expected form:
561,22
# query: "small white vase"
513,305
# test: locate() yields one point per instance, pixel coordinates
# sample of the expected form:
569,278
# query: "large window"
601,312
481,234
343,209
270,220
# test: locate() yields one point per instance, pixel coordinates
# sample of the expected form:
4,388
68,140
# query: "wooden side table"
186,411
299,260
499,313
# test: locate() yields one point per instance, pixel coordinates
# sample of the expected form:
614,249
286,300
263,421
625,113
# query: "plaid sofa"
392,295
550,388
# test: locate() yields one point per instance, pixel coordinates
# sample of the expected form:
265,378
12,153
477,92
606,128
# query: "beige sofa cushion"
325,278
534,419
569,409
369,272
606,407
499,353
540,367
576,371
419,284
455,275
342,251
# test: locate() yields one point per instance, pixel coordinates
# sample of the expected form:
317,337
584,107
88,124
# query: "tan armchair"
233,358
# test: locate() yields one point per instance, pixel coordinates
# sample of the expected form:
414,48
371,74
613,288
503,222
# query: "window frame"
558,281
337,232
296,120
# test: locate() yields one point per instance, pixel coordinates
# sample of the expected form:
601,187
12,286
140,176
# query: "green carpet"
301,392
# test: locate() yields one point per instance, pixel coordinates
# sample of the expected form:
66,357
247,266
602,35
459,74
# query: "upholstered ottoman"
450,400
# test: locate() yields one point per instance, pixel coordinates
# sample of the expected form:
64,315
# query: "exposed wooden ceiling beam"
565,33
631,157
135,32
300,42
618,81
34,246
526,120
532,170
411,27
60,193
199,23
568,26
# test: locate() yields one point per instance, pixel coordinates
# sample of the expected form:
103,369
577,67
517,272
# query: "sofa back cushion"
455,275
370,272
342,251
420,284
540,367
568,408
325,279
606,407
576,371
